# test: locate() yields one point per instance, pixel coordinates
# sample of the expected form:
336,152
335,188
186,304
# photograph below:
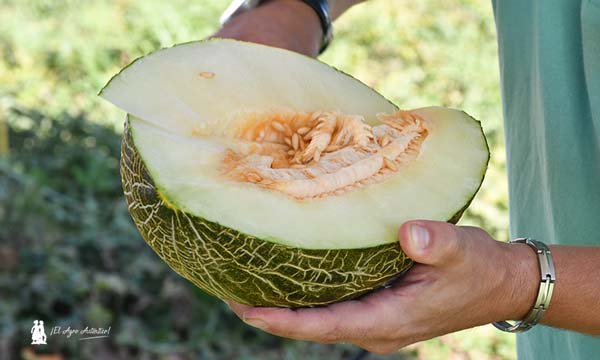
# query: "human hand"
463,278
287,24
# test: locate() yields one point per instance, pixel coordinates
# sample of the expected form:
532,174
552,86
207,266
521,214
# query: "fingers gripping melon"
269,178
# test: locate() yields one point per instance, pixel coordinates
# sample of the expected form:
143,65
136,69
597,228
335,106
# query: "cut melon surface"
269,178
187,172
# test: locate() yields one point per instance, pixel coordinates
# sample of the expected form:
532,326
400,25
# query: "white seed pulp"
308,155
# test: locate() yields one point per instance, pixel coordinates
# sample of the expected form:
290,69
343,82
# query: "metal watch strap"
321,8
548,278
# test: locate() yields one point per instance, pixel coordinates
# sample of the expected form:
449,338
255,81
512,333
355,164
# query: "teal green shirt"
550,69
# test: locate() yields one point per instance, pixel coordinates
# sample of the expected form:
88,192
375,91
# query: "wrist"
288,24
523,281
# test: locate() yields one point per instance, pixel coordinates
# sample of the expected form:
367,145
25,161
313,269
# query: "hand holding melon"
460,280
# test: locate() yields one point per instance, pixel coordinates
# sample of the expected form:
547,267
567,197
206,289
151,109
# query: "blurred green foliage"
69,253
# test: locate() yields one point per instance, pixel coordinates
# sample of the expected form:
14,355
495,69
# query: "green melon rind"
235,266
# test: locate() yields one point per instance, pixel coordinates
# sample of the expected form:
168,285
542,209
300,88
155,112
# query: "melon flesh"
188,172
269,178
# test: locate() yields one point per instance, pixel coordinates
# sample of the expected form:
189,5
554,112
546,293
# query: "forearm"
288,24
575,303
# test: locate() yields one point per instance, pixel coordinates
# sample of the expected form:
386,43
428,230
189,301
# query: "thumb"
434,243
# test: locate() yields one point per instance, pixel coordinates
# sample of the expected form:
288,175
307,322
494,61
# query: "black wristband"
321,7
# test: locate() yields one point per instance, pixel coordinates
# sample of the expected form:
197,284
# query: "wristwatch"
321,8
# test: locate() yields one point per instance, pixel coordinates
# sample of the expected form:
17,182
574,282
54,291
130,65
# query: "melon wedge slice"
269,178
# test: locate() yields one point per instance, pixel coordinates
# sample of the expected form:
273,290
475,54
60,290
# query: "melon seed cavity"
318,154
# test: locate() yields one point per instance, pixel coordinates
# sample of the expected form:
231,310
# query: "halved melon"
269,178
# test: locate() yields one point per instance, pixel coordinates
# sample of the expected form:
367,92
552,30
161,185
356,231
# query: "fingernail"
419,237
256,322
